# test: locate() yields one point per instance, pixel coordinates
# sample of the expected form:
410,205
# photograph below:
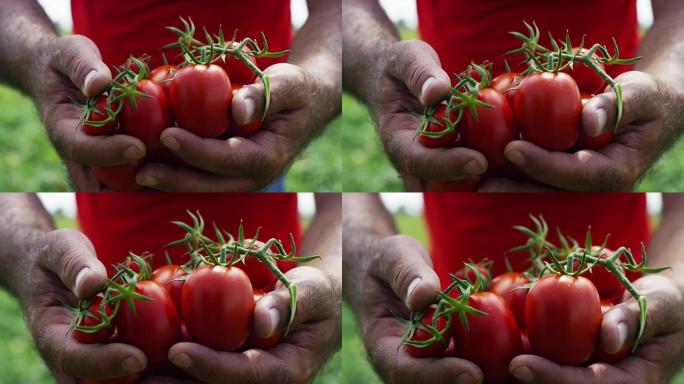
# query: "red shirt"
462,31
466,226
117,223
124,28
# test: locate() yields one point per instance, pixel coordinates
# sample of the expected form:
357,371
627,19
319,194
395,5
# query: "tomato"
119,177
490,341
563,318
257,342
218,306
468,274
548,110
155,325
150,118
599,354
492,130
91,319
438,347
507,84
259,274
586,78
593,143
201,98
526,348
98,114
171,277
163,75
441,142
464,185
237,70
607,284
508,286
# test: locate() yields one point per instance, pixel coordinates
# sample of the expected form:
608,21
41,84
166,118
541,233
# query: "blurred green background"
20,363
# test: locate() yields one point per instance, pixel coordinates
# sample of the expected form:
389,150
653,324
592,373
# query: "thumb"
79,58
71,256
404,264
417,65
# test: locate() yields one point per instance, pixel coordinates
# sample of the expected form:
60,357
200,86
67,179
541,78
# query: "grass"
31,163
21,363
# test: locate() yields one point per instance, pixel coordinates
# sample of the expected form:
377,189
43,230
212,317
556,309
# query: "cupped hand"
315,335
657,358
64,270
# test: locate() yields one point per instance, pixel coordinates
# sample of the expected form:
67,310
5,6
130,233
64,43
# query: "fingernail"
181,360
474,167
622,335
133,153
412,287
465,378
81,275
523,374
148,181
171,143
132,365
601,118
516,158
250,108
425,87
88,79
273,321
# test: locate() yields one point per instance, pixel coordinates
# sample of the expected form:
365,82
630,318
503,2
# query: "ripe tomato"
218,307
593,143
490,341
259,274
508,286
91,319
237,70
607,285
163,75
563,318
464,185
119,177
257,342
99,114
171,278
492,130
526,348
507,84
437,348
201,98
155,325
441,142
587,80
481,266
548,110
599,354
150,118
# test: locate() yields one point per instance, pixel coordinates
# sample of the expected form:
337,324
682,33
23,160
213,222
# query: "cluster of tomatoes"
542,105
553,310
195,95
210,300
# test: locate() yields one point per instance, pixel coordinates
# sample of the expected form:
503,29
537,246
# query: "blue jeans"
278,185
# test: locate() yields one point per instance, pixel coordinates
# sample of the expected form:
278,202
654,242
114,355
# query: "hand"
74,70
65,269
314,336
656,360
650,123
413,78
299,109
400,279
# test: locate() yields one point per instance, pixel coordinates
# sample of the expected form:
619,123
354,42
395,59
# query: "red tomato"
593,143
607,284
468,274
526,348
437,348
441,142
201,98
155,325
257,342
171,278
259,274
163,75
119,177
586,78
599,354
492,130
490,341
218,306
507,84
464,185
548,110
246,130
507,285
97,115
563,318
92,319
238,71
150,118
